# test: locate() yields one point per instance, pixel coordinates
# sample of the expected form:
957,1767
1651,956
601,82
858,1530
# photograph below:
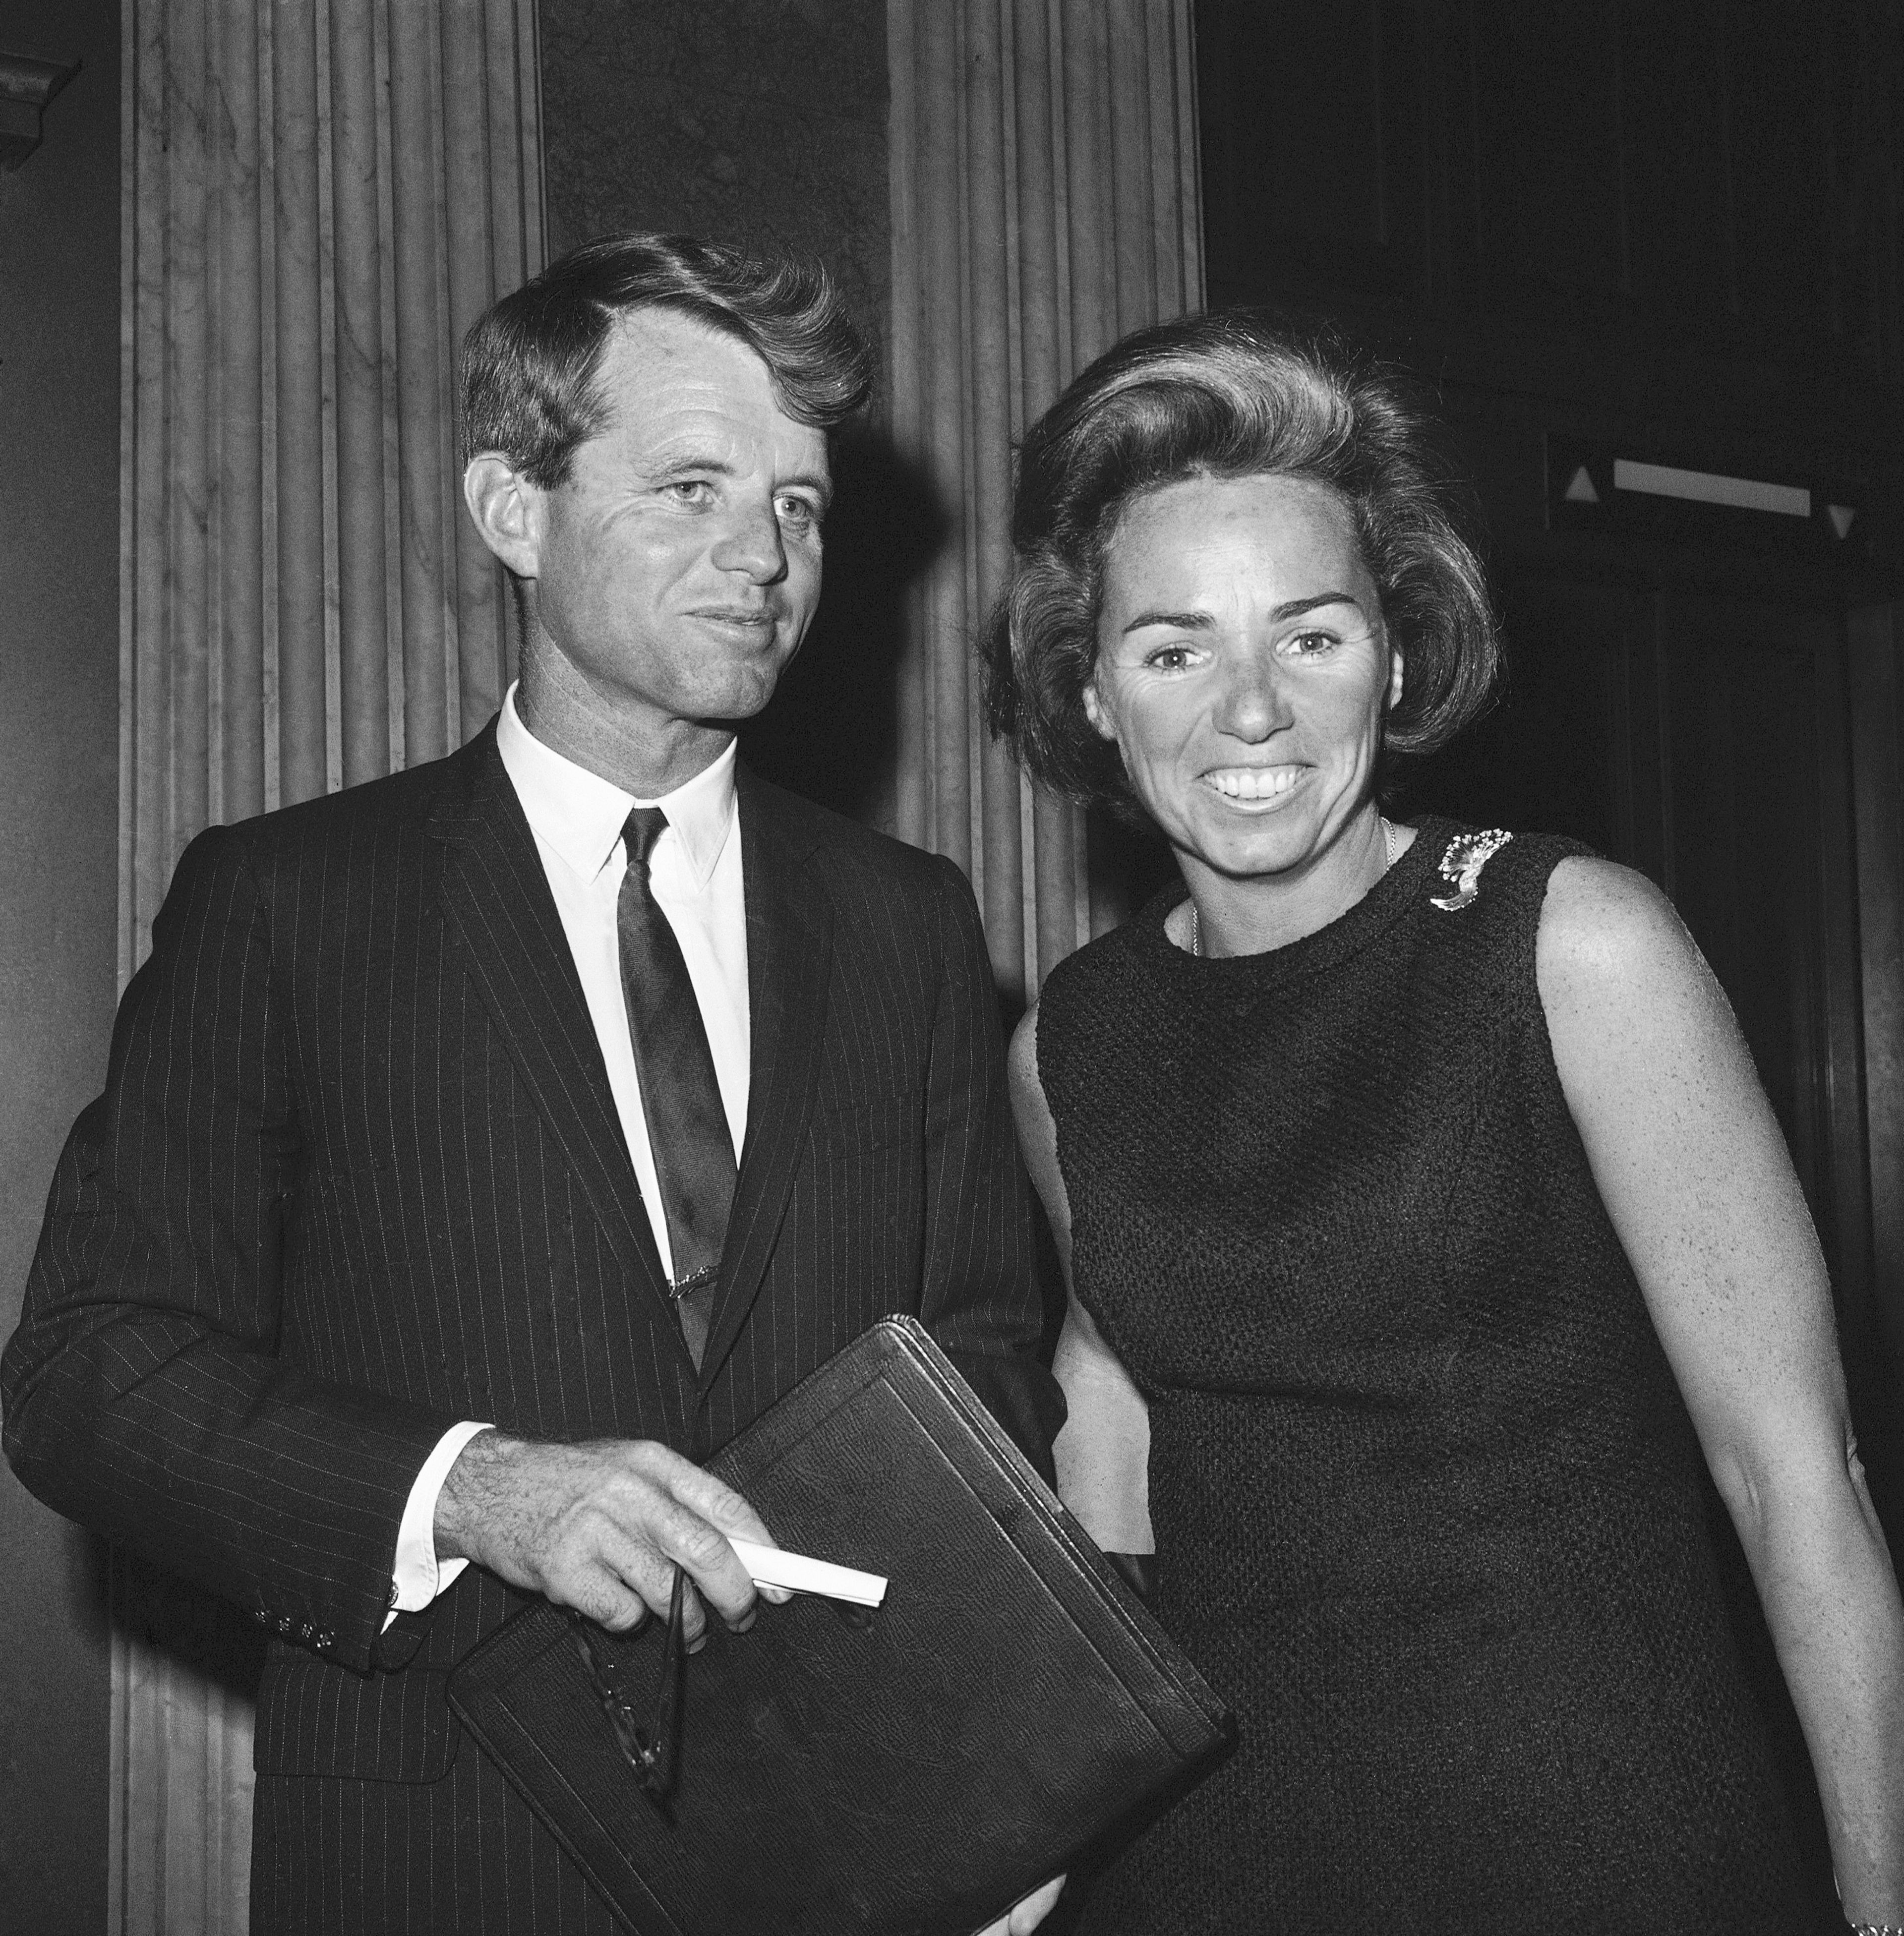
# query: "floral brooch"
1461,865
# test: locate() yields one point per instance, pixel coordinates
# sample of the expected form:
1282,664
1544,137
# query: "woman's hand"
1695,1176
1028,1911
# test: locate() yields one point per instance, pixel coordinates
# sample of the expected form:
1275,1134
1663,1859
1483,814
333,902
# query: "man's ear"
506,509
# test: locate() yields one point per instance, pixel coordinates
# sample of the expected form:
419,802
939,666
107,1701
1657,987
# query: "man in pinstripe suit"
364,1267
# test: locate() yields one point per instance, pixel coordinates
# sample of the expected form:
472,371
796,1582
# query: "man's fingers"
700,1549
718,1503
590,1525
605,1598
622,1604
725,1509
642,1571
645,1550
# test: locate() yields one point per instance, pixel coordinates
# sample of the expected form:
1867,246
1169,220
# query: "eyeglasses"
651,1755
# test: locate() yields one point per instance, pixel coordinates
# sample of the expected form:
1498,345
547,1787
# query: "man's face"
677,567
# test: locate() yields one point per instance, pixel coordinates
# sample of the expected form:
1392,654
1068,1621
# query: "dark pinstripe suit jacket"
357,1173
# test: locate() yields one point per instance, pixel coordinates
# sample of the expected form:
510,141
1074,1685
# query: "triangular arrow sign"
1841,516
1581,491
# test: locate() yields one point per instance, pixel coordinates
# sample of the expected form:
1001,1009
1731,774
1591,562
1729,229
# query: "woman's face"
1242,669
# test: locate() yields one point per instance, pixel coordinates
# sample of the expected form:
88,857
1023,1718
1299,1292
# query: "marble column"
319,196
1044,202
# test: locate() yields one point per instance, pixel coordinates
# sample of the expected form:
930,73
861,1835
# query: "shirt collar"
581,815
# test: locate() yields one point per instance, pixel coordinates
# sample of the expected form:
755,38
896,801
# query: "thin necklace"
1390,846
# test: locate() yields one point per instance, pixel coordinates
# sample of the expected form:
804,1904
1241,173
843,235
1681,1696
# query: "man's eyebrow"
1202,622
677,465
682,466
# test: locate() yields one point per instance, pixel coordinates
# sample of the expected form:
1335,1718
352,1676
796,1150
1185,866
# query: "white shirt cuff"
418,1576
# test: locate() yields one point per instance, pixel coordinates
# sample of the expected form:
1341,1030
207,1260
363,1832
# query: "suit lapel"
498,908
789,962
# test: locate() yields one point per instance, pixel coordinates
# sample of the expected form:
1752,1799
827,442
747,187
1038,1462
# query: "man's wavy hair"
531,363
1228,394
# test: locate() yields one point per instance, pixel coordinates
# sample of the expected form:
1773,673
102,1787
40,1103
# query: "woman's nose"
1253,704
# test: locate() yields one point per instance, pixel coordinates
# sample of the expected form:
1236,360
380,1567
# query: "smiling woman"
1243,674
1424,1225
1224,397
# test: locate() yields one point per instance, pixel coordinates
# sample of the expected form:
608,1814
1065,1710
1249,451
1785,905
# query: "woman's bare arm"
1102,1452
1695,1175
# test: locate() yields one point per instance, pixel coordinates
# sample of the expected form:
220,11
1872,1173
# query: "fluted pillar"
1044,203
320,197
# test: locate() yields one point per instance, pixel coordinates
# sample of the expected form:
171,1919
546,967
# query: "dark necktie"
687,1127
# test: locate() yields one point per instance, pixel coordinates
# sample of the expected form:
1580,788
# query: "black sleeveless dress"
1429,1509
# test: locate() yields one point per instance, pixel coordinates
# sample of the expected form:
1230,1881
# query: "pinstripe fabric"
357,1174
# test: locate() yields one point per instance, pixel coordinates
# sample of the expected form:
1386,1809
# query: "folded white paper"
770,1566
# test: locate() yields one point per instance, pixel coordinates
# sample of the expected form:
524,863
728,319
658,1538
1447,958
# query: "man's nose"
753,544
1252,704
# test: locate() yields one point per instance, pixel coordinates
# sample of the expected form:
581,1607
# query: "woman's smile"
1252,789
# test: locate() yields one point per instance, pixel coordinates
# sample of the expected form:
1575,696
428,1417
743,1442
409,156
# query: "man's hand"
601,1527
1027,1913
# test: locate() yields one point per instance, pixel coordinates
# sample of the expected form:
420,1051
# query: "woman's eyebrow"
1297,606
1187,621
1202,622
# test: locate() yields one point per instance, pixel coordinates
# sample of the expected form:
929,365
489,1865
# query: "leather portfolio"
911,1771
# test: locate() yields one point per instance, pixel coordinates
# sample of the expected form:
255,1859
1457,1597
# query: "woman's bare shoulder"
1607,932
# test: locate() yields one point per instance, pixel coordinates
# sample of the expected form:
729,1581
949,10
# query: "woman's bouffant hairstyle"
1226,395
531,363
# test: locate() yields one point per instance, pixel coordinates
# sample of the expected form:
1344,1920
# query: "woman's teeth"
1253,782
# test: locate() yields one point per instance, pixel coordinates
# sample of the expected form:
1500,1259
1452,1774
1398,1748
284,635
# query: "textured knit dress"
1428,1506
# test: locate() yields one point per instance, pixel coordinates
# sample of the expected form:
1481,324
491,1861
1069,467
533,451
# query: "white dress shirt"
695,870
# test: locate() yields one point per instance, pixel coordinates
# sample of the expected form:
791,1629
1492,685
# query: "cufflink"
390,1604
